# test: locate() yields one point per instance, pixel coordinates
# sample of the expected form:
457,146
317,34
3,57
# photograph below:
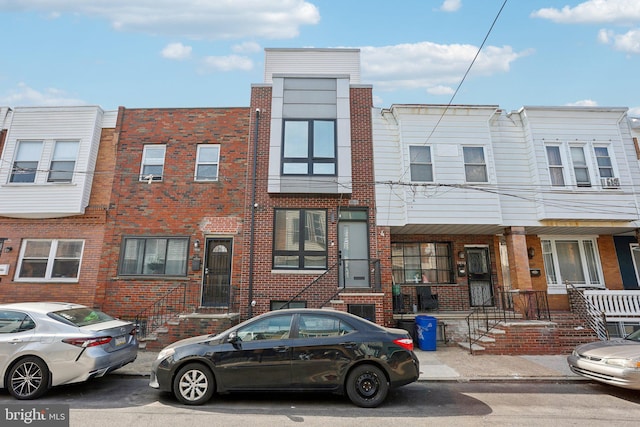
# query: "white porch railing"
617,306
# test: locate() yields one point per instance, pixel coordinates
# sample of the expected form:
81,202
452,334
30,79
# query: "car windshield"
81,316
634,336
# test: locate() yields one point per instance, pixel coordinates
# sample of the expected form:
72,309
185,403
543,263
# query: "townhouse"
56,173
311,197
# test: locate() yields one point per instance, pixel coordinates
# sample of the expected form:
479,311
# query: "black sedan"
290,350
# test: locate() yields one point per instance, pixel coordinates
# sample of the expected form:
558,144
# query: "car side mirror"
233,337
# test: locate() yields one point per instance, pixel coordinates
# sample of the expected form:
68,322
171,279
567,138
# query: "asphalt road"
128,401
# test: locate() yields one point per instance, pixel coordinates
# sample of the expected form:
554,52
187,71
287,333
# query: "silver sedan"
46,344
615,362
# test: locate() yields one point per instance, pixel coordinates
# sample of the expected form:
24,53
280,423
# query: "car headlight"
166,352
625,363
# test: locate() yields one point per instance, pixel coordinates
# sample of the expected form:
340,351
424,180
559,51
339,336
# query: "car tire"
367,386
28,379
194,384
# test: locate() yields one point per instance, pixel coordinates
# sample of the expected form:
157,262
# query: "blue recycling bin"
426,327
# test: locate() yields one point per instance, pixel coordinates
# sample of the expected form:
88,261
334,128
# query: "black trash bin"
409,326
426,327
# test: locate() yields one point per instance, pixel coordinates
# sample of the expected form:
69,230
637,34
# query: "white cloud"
594,11
25,96
226,63
246,47
429,65
176,51
583,103
451,5
440,90
214,19
628,42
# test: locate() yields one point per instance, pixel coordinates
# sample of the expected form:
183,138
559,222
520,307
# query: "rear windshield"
81,316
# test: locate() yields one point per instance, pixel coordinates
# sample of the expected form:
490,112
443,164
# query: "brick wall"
177,206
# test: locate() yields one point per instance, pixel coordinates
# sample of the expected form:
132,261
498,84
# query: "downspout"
253,210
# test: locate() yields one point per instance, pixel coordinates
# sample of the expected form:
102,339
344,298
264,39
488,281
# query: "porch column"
518,259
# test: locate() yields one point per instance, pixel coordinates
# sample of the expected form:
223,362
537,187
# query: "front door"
216,280
353,245
479,276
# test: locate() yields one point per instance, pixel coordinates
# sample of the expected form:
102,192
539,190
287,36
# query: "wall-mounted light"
8,249
461,254
531,252
196,245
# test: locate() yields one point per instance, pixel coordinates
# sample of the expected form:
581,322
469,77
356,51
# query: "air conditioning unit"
610,182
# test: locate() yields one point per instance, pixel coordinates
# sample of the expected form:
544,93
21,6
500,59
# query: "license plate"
120,341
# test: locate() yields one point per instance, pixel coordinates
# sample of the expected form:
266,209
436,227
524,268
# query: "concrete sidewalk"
447,364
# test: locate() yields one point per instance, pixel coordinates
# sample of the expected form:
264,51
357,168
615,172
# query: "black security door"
217,273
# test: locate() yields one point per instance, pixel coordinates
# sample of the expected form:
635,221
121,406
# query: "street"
128,401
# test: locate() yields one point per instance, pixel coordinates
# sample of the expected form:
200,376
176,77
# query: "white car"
46,344
615,362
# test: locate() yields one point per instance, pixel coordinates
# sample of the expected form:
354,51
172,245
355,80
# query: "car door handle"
349,344
15,341
281,348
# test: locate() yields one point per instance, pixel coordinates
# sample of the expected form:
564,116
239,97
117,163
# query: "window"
309,147
50,260
152,163
422,263
580,168
271,328
12,322
294,249
153,256
25,165
63,162
322,326
207,161
475,168
556,171
283,305
420,163
573,260
605,167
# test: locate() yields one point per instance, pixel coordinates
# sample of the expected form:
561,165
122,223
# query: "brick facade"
177,206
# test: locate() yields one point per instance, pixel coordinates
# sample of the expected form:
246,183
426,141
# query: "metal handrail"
595,318
166,308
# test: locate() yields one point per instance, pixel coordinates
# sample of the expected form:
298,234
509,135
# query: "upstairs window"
300,239
420,164
50,260
63,162
309,147
25,165
605,166
475,166
152,256
580,168
207,161
152,163
556,170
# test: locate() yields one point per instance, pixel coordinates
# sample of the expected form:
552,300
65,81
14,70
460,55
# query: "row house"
479,202
56,173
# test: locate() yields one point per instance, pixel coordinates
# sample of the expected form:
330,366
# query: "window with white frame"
309,147
420,163
580,167
556,170
154,256
573,260
207,162
63,162
25,164
300,239
52,260
152,162
475,166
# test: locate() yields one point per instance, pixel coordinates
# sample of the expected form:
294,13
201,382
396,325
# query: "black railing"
508,305
166,308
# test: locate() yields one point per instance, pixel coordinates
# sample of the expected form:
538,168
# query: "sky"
207,53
